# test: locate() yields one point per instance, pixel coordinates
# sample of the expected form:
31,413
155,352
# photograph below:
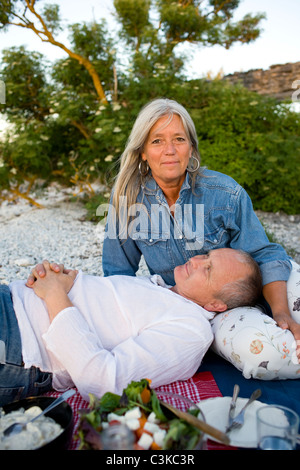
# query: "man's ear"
215,306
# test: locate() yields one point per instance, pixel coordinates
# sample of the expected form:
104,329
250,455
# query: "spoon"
16,428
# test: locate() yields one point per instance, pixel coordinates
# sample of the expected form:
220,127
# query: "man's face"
203,275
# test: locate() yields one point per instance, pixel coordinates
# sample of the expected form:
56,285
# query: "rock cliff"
279,81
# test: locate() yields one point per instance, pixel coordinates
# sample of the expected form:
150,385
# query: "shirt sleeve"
169,351
249,235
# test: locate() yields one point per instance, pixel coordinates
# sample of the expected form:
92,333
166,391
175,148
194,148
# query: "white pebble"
23,262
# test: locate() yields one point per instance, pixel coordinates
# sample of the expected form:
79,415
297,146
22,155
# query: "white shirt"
120,329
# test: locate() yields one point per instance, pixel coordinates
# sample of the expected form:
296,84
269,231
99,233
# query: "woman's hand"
286,322
40,271
275,294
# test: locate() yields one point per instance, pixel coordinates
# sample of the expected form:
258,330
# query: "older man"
99,333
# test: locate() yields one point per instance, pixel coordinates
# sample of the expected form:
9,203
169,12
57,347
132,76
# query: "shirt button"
150,240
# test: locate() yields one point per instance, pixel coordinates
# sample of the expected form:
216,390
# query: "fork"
238,421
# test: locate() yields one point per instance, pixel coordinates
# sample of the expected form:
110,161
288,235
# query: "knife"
236,391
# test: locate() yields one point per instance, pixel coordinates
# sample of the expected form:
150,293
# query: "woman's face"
167,151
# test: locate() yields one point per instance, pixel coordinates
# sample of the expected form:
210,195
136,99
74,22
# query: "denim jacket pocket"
146,244
156,252
217,238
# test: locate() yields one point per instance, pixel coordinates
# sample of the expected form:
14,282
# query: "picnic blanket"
280,392
215,378
200,387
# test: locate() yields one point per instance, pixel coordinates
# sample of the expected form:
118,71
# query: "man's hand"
53,288
40,271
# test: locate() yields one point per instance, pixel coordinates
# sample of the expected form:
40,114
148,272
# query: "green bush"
66,135
252,138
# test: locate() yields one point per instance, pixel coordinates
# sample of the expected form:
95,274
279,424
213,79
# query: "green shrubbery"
254,139
63,130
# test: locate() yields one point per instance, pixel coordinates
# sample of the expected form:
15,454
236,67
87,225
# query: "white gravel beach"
58,232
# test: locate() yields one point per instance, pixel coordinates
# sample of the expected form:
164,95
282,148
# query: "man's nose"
198,260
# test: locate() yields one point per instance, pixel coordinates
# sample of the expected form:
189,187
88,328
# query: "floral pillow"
293,292
252,341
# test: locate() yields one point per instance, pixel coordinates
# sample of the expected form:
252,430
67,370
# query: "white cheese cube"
132,424
135,413
159,436
145,441
114,416
152,418
151,427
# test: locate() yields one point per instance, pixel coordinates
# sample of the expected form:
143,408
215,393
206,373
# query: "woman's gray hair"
129,179
246,291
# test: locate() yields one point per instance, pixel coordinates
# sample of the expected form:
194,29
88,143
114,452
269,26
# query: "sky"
278,44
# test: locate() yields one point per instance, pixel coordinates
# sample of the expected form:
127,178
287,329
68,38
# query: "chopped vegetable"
140,410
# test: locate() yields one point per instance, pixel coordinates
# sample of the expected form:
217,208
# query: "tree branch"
48,37
215,11
81,128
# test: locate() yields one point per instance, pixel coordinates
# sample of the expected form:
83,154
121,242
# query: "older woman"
167,208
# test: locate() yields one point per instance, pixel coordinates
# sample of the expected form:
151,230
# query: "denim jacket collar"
151,187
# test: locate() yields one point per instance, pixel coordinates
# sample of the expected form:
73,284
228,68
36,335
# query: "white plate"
216,411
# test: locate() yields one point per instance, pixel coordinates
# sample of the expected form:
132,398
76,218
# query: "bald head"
219,280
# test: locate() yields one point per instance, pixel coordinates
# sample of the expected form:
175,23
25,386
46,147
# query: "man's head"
219,280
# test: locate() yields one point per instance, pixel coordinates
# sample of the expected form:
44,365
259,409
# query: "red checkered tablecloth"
200,387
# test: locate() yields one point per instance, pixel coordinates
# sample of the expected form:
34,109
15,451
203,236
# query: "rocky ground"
285,229
59,232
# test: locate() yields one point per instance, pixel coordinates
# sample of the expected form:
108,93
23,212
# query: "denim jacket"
216,213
